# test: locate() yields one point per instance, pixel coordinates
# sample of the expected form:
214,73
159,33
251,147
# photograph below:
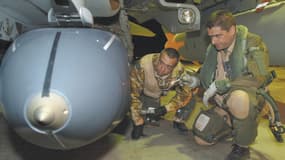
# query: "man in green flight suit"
234,68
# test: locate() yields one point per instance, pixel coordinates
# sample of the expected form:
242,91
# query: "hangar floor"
162,143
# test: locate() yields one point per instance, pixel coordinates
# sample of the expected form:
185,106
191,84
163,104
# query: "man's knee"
210,127
239,104
200,141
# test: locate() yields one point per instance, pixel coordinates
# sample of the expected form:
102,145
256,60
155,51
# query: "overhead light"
186,15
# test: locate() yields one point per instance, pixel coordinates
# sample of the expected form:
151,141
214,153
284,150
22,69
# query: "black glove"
152,118
160,111
137,132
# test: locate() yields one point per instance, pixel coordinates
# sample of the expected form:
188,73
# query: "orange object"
171,42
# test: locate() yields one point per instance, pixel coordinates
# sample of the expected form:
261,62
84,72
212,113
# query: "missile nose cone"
47,113
43,116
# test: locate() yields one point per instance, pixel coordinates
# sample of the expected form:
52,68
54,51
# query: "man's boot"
137,132
181,115
180,126
238,153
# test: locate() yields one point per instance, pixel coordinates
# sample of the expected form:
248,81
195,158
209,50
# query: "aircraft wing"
261,17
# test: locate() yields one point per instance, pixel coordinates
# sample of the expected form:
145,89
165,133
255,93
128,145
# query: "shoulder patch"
253,40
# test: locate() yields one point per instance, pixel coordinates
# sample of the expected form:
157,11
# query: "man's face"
220,38
165,64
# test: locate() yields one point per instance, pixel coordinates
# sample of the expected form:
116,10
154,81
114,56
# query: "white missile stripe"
108,44
57,139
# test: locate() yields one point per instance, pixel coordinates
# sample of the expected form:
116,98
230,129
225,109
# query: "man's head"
167,61
221,27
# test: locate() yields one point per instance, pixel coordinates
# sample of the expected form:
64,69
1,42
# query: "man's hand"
191,81
156,114
210,92
137,132
153,114
160,111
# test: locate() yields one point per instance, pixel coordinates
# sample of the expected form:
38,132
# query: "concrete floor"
162,143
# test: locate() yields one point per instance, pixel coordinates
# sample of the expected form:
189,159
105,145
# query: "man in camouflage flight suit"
152,77
235,67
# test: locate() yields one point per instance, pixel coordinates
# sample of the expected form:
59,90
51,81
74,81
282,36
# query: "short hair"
171,53
221,18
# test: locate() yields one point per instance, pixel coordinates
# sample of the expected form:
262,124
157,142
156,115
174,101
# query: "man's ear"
232,29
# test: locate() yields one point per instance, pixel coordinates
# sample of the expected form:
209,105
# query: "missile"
63,88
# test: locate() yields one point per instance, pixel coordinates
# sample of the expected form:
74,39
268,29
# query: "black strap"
46,87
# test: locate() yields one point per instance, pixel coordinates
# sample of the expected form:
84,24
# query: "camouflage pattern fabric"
138,78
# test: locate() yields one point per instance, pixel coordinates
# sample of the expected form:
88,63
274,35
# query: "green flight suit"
248,69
